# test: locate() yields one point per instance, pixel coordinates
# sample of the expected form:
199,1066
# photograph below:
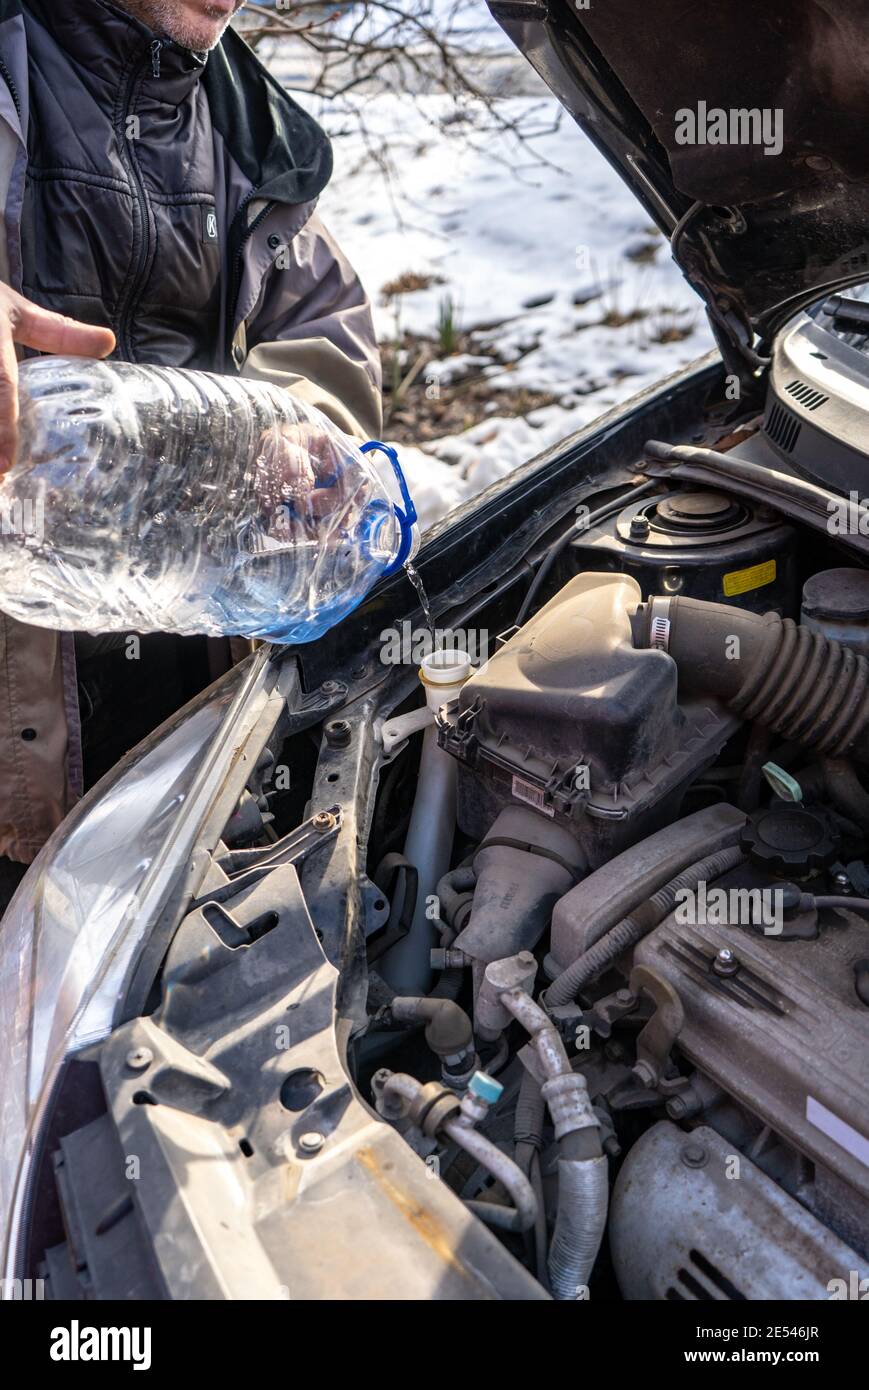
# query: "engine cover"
784,1030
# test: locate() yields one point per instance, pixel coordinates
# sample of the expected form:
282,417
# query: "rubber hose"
845,791
449,986
540,1233
530,1113
633,928
448,1029
583,1196
805,686
451,890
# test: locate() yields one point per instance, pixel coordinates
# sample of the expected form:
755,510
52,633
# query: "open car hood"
759,229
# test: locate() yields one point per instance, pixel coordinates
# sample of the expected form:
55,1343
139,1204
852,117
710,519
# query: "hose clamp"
659,624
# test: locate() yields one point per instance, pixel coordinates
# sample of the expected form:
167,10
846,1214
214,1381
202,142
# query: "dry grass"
409,282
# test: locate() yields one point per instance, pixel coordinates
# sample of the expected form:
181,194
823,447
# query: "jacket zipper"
7,78
235,287
128,303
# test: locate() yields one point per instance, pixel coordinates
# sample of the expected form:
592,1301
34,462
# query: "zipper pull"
156,47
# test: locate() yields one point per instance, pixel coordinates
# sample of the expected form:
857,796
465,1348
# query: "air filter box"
568,717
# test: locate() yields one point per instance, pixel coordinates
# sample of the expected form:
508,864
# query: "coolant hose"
455,890
448,1032
636,925
846,791
583,1171
805,686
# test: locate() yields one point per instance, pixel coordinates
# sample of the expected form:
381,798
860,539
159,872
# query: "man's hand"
300,470
25,323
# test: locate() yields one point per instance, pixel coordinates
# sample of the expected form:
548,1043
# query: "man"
159,191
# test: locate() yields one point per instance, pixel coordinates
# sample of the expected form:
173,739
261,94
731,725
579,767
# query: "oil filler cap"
789,839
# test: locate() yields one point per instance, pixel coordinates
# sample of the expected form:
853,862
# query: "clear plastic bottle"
152,499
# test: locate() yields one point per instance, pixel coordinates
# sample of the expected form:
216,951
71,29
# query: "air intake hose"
799,683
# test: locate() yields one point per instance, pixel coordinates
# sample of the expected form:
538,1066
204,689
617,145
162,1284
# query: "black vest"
123,222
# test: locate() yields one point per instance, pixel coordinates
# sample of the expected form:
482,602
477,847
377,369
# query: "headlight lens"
70,933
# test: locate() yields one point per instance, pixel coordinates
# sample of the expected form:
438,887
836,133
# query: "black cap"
788,838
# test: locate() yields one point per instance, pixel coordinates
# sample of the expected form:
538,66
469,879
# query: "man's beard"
196,34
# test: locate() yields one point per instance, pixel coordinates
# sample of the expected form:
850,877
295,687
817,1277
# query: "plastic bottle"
154,499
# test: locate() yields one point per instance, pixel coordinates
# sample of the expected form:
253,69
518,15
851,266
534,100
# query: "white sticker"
523,791
838,1130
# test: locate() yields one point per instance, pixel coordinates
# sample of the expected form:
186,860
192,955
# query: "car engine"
658,788
553,983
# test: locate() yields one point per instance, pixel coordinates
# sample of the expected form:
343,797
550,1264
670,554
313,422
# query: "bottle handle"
406,519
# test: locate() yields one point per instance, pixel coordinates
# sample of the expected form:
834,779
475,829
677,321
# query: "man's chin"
198,32
201,40
200,35
214,25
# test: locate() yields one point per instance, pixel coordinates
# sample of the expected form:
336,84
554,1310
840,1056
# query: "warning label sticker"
743,581
524,791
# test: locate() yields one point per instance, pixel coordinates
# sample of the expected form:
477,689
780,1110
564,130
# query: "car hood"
759,228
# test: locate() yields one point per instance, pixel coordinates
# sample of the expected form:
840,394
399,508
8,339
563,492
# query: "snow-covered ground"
555,263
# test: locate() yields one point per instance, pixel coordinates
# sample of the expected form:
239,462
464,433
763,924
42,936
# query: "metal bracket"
655,1041
611,1010
245,867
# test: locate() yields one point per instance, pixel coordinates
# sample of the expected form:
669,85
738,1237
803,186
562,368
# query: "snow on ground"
557,267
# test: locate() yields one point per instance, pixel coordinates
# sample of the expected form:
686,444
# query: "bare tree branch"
349,50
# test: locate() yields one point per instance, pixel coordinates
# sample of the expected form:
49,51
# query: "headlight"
87,903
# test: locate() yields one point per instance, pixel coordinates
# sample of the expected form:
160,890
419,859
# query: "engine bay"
545,974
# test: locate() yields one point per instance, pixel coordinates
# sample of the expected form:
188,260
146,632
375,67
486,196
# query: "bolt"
725,963
676,1108
842,882
338,733
640,526
312,1142
330,687
447,958
379,1079
323,821
625,996
139,1058
694,1155
645,1074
